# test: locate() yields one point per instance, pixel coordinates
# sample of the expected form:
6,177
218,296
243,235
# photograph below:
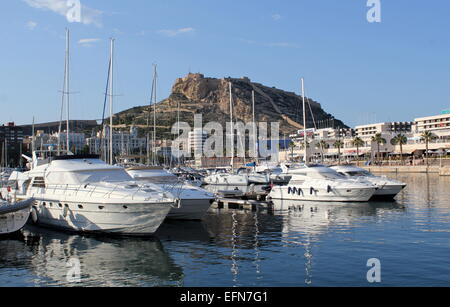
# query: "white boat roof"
348,168
312,169
148,172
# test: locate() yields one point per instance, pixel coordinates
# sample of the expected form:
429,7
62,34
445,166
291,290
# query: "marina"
307,245
217,147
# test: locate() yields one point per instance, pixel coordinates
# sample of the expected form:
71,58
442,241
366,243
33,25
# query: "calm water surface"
315,245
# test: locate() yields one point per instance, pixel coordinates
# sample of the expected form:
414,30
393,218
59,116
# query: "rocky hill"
195,94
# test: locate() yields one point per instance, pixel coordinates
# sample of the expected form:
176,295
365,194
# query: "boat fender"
65,211
329,189
34,215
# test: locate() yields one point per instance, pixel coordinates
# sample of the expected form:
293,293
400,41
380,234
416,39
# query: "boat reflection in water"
103,261
305,222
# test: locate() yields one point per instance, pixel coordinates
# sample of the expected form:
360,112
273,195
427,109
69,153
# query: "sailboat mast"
111,103
155,76
231,127
255,132
305,138
68,86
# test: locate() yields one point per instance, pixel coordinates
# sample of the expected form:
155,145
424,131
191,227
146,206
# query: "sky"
394,70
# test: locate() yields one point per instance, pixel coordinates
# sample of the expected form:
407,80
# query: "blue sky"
360,72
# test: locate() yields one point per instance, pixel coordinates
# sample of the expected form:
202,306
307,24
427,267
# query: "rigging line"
314,120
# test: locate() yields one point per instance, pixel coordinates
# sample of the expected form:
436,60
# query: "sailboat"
193,202
243,177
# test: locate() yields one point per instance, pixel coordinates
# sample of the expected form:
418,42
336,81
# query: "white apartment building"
197,139
437,124
77,141
124,143
366,131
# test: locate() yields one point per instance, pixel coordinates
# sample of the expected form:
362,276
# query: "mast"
111,103
63,96
32,139
67,86
305,138
232,128
155,76
255,132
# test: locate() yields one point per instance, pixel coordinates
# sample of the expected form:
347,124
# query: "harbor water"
313,244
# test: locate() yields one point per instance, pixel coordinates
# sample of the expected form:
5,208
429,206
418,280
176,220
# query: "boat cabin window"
359,174
322,175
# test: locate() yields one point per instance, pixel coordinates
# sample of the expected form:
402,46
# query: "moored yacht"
194,201
320,183
84,194
387,188
13,216
242,177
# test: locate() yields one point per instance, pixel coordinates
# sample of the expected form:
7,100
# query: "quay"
241,204
443,171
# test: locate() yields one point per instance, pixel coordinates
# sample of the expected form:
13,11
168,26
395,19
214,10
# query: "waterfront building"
11,140
124,143
437,124
196,140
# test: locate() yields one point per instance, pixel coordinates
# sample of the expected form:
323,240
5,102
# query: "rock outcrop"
196,94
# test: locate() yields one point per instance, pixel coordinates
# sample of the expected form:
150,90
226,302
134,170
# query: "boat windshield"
160,179
359,174
322,175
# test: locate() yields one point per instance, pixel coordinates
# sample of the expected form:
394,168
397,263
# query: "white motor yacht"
243,177
387,188
320,183
194,201
84,194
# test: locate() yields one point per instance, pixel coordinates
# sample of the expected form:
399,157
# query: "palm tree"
378,138
358,142
400,139
322,145
427,136
339,144
292,147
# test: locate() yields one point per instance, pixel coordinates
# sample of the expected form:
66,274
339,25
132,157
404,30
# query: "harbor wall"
443,171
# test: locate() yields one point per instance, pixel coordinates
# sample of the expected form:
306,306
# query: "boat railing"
89,189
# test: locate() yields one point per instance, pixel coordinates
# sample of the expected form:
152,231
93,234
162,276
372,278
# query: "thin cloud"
31,25
173,33
271,44
276,17
87,42
88,15
283,45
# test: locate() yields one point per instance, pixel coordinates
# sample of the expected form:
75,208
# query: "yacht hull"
11,223
136,219
389,191
190,209
334,195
